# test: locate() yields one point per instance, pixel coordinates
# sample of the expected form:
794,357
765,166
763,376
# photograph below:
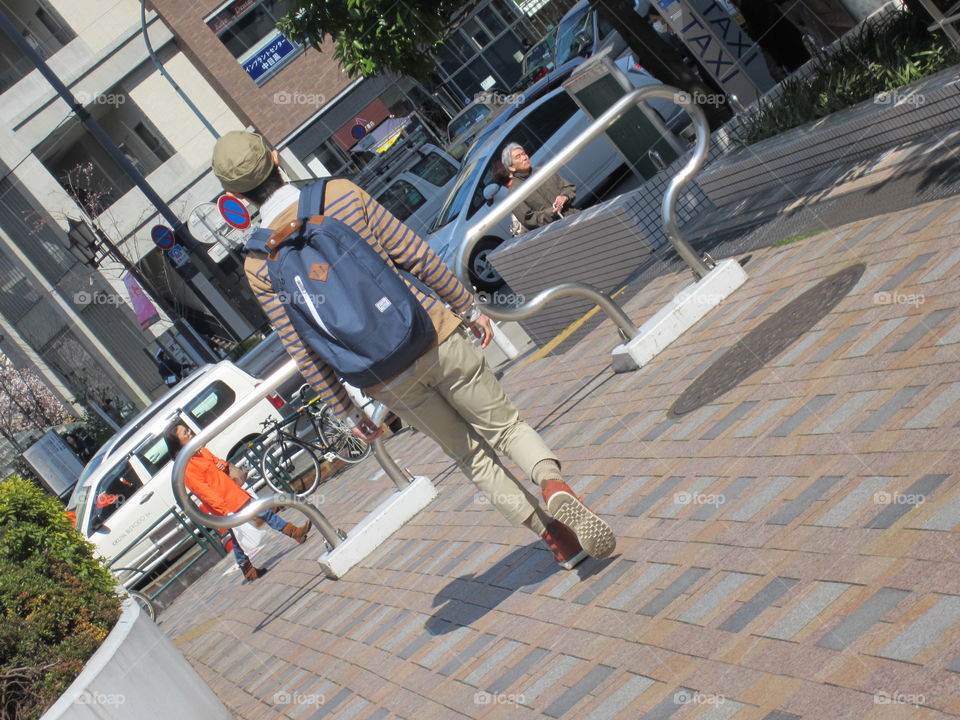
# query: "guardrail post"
630,356
331,535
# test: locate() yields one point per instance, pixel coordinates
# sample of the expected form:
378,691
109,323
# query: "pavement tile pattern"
788,550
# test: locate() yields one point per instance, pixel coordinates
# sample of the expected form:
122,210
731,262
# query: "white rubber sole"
595,535
575,560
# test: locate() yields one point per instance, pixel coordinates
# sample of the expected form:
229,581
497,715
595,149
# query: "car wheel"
482,274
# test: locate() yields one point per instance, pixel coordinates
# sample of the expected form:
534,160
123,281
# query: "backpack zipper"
313,309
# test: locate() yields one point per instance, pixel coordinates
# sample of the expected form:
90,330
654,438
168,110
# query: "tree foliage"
57,603
373,36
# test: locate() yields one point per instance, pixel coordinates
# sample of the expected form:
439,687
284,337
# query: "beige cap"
242,160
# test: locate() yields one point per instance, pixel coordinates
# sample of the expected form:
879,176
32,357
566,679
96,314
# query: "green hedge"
57,603
874,59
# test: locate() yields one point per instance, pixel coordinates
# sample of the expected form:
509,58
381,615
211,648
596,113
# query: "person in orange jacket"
212,480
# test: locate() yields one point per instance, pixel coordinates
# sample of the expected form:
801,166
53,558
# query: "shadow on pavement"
270,565
559,411
468,598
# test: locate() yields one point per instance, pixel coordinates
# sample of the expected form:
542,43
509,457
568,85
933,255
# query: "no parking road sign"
234,212
162,236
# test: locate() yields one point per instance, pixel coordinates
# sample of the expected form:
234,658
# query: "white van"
126,487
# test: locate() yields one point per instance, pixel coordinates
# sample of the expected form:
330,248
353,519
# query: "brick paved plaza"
786,551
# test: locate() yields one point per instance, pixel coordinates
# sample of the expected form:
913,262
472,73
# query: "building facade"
65,298
301,101
66,302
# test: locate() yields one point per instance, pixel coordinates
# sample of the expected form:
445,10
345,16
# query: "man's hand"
482,329
222,466
559,202
366,430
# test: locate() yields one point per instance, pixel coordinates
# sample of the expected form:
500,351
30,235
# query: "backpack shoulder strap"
311,199
258,240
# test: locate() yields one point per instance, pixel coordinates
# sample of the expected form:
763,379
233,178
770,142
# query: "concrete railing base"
679,315
137,673
384,520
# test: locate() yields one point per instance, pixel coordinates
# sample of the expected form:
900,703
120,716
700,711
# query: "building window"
248,29
153,142
86,171
41,27
482,52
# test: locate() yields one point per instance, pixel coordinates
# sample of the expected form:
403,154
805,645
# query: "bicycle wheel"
290,466
338,438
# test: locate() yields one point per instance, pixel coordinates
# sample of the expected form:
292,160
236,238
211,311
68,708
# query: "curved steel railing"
331,535
668,210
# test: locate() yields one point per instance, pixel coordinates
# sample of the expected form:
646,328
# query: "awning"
383,136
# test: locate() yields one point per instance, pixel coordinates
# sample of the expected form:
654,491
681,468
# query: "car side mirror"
490,193
583,41
96,523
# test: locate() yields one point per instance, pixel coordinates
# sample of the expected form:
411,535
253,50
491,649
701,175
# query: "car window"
466,119
154,454
211,403
116,487
457,198
478,200
537,54
434,169
567,46
531,133
402,199
148,414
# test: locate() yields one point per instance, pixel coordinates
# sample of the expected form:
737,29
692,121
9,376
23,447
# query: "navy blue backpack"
345,302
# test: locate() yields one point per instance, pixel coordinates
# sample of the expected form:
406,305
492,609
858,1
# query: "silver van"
415,195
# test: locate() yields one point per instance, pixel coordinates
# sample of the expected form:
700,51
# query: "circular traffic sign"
234,212
206,223
162,236
358,131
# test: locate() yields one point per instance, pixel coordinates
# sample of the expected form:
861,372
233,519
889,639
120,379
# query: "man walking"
218,485
446,389
550,201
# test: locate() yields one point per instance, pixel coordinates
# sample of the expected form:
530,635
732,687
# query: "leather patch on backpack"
319,272
280,235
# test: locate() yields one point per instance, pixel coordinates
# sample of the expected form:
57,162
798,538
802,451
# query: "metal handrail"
668,210
331,535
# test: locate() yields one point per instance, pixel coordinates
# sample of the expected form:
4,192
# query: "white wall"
174,119
99,22
137,673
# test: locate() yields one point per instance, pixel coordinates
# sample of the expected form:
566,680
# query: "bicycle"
333,433
282,455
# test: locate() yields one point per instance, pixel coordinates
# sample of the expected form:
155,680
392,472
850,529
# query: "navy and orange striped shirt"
397,244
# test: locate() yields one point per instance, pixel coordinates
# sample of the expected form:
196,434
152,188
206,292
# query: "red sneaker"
593,533
567,550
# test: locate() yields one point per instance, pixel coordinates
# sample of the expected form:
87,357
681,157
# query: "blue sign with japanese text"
274,52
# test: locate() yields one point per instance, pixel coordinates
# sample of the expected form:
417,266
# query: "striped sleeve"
315,371
413,254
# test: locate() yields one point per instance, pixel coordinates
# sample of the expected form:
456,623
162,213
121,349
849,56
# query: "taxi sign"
233,212
162,236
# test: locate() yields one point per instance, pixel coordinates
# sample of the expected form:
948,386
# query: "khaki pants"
453,397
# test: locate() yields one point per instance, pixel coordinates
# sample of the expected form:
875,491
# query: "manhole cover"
767,340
